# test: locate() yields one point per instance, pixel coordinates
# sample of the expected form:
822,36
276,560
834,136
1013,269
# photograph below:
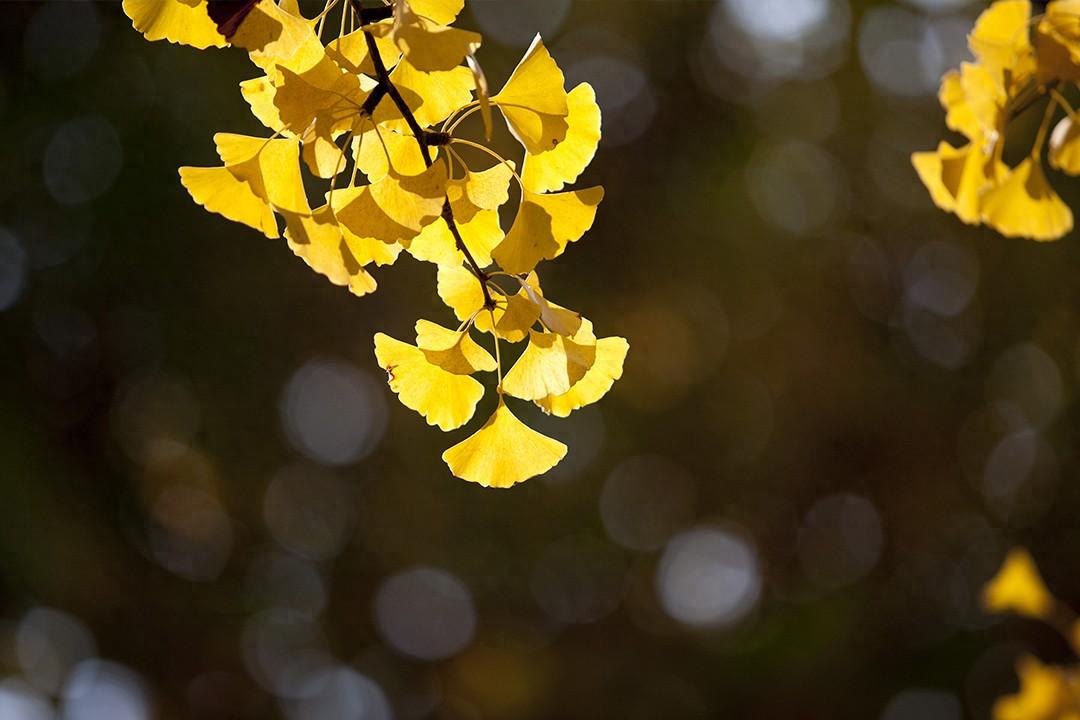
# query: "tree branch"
382,75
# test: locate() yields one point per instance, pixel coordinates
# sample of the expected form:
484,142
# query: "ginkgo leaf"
351,52
376,152
1057,43
480,190
185,22
317,239
460,290
597,381
1000,39
443,12
1045,694
480,233
1018,587
394,209
371,250
504,452
534,102
1064,152
322,155
455,352
324,95
274,38
259,176
483,96
431,96
555,318
973,101
428,45
562,164
550,365
956,178
1024,205
544,225
514,314
259,93
443,398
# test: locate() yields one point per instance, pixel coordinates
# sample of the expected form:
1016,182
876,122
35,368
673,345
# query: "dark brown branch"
382,75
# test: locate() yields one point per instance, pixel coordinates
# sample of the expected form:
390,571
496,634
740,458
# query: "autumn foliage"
371,101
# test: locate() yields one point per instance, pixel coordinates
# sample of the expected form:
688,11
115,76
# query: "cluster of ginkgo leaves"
1022,61
375,110
1047,692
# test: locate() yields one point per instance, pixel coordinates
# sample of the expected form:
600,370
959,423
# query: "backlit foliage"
371,101
1022,61
1047,692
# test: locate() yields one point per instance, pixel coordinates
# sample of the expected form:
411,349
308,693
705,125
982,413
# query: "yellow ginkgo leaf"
534,102
445,399
504,452
460,290
317,240
375,153
562,164
480,190
324,97
431,96
443,12
1024,205
1057,42
259,176
514,315
428,45
394,209
370,250
179,21
350,51
605,370
481,233
974,102
322,155
1064,152
455,352
544,225
556,318
1017,587
259,93
550,365
1000,40
483,97
275,37
1045,694
957,178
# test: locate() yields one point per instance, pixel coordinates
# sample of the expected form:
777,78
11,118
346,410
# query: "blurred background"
841,406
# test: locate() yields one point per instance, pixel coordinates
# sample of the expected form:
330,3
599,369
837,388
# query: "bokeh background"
840,409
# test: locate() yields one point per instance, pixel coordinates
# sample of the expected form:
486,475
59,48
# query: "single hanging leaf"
534,102
443,398
555,168
544,225
504,452
1024,205
259,176
184,22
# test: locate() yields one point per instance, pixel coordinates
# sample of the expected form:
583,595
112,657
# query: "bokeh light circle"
425,612
333,412
708,577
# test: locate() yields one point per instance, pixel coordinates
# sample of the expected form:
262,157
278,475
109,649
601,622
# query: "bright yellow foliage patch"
371,102
1021,62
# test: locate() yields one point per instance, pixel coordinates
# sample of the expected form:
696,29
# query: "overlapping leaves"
377,111
1021,62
